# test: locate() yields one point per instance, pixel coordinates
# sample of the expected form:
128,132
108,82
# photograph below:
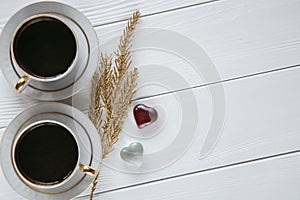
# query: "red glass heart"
144,115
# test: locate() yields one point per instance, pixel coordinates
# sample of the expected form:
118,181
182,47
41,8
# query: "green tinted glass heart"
133,154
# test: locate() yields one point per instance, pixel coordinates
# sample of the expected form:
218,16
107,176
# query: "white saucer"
86,135
88,52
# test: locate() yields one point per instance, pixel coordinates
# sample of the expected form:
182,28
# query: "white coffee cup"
87,142
22,83
77,69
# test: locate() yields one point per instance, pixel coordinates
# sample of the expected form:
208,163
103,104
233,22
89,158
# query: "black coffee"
44,47
46,154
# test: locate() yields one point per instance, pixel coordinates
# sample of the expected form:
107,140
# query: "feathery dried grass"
113,86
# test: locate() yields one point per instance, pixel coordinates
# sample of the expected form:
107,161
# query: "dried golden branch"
113,87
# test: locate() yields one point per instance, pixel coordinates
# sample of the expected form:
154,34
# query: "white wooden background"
255,45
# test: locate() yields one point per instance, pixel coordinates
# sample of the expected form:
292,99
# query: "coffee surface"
45,47
46,153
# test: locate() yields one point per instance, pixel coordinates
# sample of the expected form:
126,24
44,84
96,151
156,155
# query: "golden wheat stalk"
113,86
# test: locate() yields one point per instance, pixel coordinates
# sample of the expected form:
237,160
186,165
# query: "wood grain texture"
240,38
229,31
106,11
258,123
276,179
254,127
262,112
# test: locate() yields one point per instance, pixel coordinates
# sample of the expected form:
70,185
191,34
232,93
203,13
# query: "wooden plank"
261,119
276,179
238,44
104,12
273,178
230,33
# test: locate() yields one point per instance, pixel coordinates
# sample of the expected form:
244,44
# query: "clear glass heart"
133,154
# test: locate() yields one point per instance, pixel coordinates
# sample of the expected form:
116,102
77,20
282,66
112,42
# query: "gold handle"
21,84
88,170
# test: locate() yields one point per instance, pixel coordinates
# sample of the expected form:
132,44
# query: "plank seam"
159,12
221,81
213,83
251,161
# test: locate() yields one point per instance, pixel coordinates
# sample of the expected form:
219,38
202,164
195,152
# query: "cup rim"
31,76
87,38
42,109
51,185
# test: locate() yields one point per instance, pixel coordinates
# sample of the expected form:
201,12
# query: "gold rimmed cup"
44,48
50,151
47,154
26,60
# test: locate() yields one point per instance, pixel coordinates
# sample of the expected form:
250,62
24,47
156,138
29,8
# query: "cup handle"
88,170
21,84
